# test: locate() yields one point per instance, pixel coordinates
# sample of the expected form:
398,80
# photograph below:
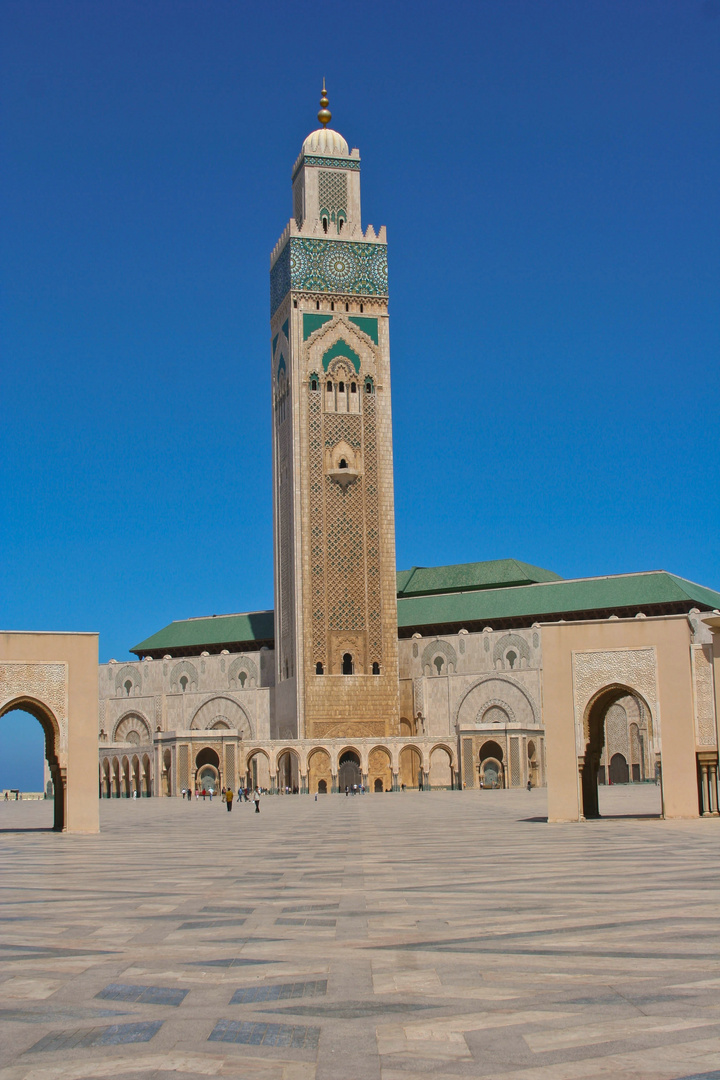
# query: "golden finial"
324,116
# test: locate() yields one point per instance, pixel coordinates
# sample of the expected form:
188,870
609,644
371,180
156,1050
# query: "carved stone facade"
46,683
635,669
704,696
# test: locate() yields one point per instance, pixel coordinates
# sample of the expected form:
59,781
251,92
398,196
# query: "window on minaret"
438,662
347,664
325,224
353,388
376,668
319,669
343,463
341,387
313,384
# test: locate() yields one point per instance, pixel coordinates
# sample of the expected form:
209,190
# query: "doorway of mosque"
619,751
288,773
349,770
207,776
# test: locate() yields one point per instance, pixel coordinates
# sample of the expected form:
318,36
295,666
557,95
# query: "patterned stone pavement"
443,934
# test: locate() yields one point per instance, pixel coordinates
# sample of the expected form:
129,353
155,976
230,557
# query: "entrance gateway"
54,678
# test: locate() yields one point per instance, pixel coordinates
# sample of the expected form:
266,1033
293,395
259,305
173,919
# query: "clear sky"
548,172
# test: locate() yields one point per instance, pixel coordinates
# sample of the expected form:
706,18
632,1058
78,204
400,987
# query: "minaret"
335,592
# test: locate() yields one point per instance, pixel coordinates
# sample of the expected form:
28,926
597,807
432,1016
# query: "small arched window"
341,387
128,687
329,387
317,305
243,678
361,309
343,463
325,224
347,664
313,384
376,668
511,657
347,307
319,670
353,388
183,683
340,224
439,662
332,305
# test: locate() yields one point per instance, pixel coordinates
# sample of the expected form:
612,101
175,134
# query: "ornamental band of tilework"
351,164
331,266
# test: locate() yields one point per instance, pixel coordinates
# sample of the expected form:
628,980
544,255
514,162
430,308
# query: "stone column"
704,789
304,787
395,786
712,777
333,783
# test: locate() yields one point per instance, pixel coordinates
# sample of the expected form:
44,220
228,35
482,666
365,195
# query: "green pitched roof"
191,636
467,577
664,593
483,604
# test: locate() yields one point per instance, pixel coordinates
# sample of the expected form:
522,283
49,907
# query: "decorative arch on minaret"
343,496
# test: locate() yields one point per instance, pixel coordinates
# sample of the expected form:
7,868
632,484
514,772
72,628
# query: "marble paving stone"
454,933
249,994
260,1034
113,1035
57,1015
144,995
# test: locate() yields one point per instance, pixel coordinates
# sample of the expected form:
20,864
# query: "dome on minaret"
325,141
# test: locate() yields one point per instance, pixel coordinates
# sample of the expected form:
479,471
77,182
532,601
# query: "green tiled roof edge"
213,630
463,577
554,598
623,591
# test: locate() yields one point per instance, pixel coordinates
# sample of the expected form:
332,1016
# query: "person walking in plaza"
256,800
229,798
529,785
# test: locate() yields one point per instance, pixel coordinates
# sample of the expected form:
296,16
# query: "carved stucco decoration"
418,698
45,682
703,697
593,671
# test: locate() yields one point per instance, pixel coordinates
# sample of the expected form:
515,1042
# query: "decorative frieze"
43,682
635,669
350,268
703,697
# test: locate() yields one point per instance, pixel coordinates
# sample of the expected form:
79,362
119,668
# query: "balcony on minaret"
343,465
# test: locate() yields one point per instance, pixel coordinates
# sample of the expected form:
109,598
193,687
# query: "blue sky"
548,172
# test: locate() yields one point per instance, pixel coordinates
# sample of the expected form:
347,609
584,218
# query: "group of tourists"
227,795
243,794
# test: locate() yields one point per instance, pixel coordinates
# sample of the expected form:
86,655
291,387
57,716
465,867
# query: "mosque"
432,677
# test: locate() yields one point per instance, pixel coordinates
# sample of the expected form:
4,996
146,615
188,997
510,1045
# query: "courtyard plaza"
446,934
